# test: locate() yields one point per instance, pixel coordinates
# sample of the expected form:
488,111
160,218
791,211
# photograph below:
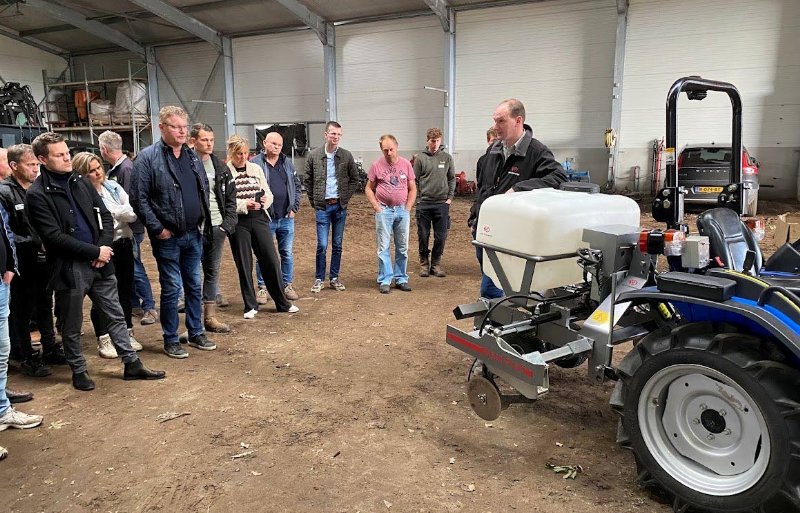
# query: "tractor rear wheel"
712,419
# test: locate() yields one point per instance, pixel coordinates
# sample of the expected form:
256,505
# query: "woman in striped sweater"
253,234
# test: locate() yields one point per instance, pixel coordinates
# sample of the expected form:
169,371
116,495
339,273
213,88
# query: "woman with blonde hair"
253,234
116,201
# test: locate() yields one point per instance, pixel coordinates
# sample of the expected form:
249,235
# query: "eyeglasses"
179,128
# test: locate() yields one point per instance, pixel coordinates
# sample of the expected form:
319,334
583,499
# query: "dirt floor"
354,404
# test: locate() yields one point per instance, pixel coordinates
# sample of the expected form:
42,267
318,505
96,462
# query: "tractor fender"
762,320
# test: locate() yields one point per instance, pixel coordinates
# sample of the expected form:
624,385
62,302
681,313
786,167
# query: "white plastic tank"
546,222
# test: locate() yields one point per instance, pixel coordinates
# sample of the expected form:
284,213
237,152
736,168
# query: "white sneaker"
16,419
3,453
105,348
134,343
293,309
317,286
250,314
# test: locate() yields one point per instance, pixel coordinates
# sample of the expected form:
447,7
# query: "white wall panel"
108,65
189,68
753,44
24,64
279,78
382,69
557,57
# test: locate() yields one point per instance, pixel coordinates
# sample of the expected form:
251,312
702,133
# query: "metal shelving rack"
137,123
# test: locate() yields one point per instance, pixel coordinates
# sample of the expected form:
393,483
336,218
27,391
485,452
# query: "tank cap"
590,188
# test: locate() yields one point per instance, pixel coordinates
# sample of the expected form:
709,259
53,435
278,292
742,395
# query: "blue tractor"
709,396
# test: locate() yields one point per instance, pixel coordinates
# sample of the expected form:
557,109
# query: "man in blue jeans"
170,196
285,186
391,190
9,417
331,177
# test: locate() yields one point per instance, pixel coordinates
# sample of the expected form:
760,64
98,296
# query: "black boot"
137,370
82,381
35,367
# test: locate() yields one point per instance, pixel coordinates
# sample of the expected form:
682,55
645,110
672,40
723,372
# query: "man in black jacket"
222,207
514,162
77,230
29,291
170,196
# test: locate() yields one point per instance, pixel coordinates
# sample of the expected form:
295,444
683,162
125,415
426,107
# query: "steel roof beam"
311,19
80,21
32,41
109,19
180,19
439,7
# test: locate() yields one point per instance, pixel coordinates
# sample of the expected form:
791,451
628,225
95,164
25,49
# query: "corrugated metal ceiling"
230,18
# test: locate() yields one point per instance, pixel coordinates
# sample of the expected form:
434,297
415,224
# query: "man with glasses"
170,196
331,177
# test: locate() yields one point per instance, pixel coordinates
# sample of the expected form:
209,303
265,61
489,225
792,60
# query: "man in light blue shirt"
331,177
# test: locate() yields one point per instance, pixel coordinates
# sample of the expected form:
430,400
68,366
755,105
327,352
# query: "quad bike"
709,396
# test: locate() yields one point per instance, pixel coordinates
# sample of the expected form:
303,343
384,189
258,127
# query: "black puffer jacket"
531,166
50,213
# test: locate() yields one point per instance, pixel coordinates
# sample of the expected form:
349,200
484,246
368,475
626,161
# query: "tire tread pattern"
751,354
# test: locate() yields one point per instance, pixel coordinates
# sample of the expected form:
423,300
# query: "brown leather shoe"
15,397
211,322
424,268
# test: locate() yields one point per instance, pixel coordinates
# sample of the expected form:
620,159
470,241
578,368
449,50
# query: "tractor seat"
730,239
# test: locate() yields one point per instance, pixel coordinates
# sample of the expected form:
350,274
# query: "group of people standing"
71,229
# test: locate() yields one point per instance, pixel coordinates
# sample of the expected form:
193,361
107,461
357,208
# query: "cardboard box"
787,228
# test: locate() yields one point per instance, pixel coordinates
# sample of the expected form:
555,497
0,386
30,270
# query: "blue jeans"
5,346
178,260
392,221
488,289
331,219
284,233
142,292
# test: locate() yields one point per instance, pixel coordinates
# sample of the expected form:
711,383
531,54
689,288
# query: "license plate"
708,189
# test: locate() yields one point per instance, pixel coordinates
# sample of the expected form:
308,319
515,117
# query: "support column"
450,82
616,95
330,73
152,91
229,107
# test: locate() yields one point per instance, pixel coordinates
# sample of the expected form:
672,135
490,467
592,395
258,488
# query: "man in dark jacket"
222,208
121,171
285,187
516,161
170,196
77,230
29,291
331,177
